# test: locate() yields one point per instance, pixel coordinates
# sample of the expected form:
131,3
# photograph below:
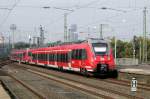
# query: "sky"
123,18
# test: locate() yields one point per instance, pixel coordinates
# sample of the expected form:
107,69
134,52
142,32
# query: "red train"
93,56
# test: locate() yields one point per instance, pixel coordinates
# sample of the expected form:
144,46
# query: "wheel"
114,74
60,68
84,72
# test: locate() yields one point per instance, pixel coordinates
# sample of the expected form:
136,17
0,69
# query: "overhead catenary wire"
10,10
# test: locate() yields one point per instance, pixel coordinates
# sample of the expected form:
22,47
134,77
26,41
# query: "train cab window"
100,48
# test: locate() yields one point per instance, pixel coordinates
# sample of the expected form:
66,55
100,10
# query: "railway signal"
133,85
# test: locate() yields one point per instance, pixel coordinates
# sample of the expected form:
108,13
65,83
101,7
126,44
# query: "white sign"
100,49
133,85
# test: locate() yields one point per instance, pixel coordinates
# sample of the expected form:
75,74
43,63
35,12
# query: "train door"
76,61
55,58
68,58
36,59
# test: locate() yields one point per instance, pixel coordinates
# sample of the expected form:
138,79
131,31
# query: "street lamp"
106,8
5,9
48,7
29,41
66,34
13,27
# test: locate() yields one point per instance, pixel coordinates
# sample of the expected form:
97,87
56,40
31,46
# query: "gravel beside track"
4,62
127,83
141,72
48,88
2,73
16,89
113,88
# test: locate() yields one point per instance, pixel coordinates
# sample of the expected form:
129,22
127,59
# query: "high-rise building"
73,33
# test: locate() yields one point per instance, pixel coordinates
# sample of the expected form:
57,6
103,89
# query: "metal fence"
126,61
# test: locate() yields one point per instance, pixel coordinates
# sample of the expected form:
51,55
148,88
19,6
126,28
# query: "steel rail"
127,83
28,87
72,84
93,86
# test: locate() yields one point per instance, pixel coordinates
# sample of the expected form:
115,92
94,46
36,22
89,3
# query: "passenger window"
73,54
69,56
30,54
24,54
84,54
45,57
80,54
77,54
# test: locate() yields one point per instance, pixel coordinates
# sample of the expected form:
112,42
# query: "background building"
73,33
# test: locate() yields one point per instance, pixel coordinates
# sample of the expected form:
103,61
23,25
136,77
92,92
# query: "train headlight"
108,58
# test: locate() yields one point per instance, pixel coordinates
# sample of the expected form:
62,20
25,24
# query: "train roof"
70,45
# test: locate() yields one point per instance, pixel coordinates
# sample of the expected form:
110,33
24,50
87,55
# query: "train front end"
103,59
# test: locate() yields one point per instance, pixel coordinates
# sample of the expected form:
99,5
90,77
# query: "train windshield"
100,48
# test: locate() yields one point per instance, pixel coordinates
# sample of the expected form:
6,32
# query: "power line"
5,19
88,4
97,21
83,6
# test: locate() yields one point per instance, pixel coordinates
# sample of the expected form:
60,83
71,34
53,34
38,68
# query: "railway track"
127,83
50,89
105,92
4,62
122,82
84,87
23,84
30,88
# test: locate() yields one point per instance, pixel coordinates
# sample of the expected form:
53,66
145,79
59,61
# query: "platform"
3,93
140,72
138,69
